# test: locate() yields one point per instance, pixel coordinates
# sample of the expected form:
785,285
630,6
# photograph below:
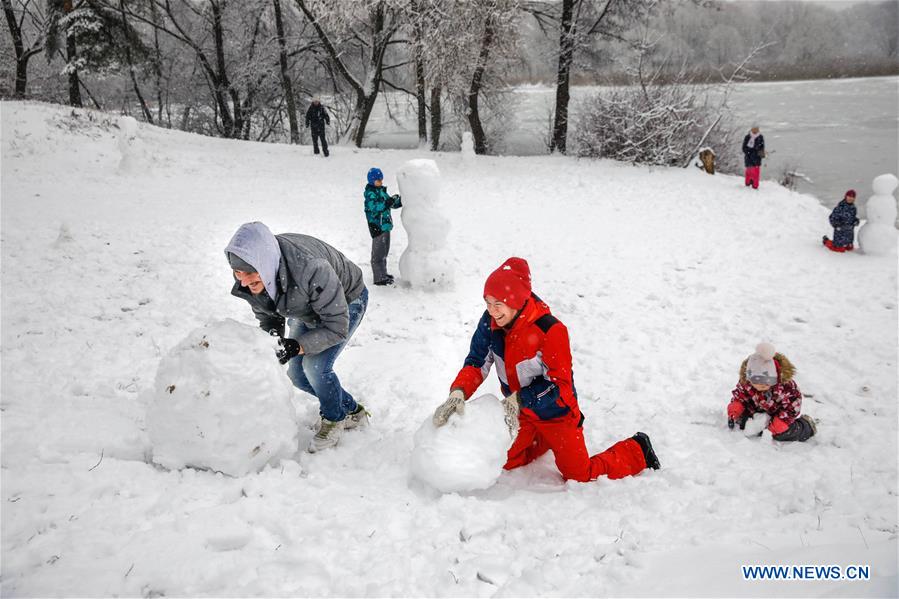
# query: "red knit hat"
851,192
510,283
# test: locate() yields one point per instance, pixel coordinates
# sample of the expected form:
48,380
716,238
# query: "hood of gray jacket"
255,244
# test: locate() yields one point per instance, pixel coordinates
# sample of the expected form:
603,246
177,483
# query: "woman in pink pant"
753,152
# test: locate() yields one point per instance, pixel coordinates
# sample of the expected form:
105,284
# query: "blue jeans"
314,373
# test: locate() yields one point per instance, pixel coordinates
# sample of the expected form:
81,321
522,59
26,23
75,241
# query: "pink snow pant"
752,176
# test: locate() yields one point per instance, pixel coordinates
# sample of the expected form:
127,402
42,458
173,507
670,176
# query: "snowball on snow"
757,424
222,402
468,452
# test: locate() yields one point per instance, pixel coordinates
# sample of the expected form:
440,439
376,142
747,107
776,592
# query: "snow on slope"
666,279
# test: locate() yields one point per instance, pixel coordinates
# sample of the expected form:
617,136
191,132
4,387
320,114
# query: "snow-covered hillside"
666,280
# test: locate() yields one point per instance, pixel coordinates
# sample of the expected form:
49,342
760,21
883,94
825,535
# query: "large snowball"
222,402
468,452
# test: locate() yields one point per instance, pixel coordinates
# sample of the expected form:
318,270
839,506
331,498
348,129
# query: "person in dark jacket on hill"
753,152
378,204
766,386
316,119
843,220
532,354
300,282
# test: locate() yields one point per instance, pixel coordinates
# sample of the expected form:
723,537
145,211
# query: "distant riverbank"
838,133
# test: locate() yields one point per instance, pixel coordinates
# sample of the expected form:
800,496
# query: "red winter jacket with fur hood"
782,400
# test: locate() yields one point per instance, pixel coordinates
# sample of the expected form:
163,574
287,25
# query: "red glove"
735,409
778,426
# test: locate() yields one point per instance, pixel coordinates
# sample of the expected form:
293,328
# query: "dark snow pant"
843,236
752,176
566,439
380,247
319,134
800,430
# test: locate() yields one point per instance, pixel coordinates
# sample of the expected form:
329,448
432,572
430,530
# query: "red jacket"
533,357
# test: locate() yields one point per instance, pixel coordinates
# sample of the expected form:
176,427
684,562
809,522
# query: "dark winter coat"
532,356
315,284
317,117
753,156
843,221
378,204
782,400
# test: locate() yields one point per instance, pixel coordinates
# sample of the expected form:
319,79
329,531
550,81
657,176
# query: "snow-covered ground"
666,280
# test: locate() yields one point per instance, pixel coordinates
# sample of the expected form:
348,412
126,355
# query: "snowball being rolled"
468,452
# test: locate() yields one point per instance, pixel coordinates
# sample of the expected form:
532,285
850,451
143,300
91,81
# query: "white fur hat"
760,368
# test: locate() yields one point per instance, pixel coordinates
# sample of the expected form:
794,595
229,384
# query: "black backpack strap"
545,322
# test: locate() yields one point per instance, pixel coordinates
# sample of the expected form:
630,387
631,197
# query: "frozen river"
839,133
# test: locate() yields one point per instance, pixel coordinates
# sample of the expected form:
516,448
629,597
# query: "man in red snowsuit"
533,362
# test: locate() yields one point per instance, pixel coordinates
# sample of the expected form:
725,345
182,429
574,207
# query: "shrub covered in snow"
661,125
221,402
468,452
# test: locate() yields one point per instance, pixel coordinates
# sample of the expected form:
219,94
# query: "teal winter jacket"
377,209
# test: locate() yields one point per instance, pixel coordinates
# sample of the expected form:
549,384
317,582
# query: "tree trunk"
74,86
285,76
563,93
368,94
474,117
364,106
420,89
157,67
436,124
222,85
140,97
21,56
422,105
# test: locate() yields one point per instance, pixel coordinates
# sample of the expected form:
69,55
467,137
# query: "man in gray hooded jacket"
299,282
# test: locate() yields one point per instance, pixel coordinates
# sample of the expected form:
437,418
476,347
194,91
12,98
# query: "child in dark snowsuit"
378,204
766,385
843,221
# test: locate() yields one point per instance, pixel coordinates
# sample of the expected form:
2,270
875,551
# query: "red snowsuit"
533,357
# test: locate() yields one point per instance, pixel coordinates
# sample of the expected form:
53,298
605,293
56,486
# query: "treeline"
247,68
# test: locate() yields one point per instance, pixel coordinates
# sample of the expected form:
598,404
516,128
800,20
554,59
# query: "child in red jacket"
766,385
533,357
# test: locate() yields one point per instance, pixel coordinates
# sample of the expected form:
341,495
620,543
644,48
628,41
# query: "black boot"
652,461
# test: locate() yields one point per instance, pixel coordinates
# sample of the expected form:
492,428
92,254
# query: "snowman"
130,145
878,235
426,262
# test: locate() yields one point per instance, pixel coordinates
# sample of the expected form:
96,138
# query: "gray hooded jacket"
304,278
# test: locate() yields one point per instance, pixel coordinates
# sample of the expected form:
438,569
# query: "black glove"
290,349
397,201
730,423
856,222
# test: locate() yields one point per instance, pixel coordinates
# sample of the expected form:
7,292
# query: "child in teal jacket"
378,204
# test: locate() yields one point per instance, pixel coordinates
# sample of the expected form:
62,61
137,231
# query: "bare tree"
338,27
285,76
57,10
24,50
579,21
